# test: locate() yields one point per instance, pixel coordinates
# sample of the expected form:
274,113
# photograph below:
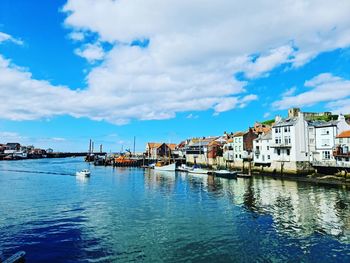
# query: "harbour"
131,214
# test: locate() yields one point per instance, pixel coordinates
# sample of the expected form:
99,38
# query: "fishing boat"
83,173
161,166
226,174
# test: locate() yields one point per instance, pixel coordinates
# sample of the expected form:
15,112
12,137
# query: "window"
288,152
276,130
268,147
326,155
278,152
287,140
268,157
287,129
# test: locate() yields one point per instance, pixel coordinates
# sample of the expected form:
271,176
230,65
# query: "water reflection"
128,214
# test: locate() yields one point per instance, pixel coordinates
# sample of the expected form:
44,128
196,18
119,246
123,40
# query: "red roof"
344,134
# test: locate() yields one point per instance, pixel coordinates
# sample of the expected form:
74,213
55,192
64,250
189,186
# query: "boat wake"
36,172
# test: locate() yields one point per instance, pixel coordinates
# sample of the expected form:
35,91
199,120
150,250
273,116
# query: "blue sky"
111,70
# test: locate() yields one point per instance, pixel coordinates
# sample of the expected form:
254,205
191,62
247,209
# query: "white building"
228,151
238,149
322,139
290,144
262,152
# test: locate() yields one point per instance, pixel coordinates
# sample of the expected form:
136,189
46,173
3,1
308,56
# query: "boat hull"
198,171
82,174
226,174
169,167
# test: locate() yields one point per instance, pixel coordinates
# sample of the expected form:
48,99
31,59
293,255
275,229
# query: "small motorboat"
226,174
183,168
83,173
197,170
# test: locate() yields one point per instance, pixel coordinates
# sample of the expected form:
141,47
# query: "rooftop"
344,134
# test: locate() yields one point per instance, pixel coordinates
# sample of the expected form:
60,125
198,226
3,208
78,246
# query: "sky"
112,70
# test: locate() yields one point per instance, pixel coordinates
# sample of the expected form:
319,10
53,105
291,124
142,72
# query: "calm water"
127,215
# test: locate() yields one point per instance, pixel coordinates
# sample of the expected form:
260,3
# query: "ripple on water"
127,215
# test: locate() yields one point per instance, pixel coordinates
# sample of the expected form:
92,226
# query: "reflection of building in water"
296,208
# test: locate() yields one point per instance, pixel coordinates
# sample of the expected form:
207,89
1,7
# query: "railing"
331,164
280,145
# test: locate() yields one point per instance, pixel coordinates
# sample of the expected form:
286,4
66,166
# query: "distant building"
13,146
49,150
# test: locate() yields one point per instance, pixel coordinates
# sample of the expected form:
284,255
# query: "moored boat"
197,170
226,174
160,166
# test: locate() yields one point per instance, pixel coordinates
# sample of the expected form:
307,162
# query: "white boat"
183,168
198,171
83,173
168,167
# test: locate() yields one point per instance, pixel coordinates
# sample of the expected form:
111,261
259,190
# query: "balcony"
280,145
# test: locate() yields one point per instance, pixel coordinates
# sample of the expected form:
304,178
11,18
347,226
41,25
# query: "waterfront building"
262,151
155,151
228,152
341,152
197,150
322,138
289,143
243,145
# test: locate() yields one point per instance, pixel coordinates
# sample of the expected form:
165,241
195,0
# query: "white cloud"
192,116
6,37
323,88
267,114
269,61
77,36
195,48
289,92
91,52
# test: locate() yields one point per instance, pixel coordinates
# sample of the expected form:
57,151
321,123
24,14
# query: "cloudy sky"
110,70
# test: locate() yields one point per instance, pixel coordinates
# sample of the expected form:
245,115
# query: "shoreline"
330,180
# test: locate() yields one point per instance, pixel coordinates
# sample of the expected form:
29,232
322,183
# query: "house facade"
341,152
290,144
262,151
156,151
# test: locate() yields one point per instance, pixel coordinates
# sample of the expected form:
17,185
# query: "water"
122,215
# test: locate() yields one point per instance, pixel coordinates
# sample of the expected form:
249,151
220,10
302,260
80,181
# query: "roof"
172,146
154,144
344,134
286,122
322,123
238,134
265,136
